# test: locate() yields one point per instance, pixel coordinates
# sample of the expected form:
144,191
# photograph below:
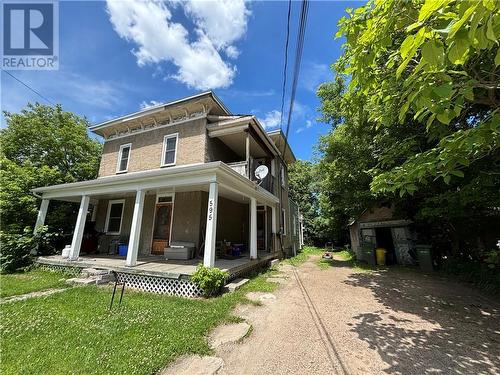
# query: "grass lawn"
73,331
349,258
31,281
302,256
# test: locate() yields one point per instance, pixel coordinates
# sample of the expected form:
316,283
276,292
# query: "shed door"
162,227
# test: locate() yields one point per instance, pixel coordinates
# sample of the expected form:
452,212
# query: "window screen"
115,217
170,146
123,158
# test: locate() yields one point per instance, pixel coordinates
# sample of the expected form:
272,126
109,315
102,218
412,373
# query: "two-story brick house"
184,172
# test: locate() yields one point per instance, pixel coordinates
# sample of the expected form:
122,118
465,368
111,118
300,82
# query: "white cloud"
313,75
223,21
159,39
149,104
308,125
271,120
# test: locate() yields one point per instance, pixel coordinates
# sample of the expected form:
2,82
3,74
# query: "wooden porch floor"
153,265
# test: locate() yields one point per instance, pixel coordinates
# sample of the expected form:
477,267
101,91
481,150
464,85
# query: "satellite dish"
261,172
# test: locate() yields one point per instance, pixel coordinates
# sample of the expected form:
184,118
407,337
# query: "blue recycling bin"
122,250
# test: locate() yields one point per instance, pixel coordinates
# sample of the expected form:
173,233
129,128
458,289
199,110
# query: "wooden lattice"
66,269
161,285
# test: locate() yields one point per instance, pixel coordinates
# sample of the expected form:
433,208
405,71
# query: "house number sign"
211,207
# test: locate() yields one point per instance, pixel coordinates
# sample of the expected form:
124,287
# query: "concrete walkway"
340,321
23,297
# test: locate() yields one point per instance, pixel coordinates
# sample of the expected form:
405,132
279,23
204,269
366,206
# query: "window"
169,150
283,222
114,216
282,173
123,158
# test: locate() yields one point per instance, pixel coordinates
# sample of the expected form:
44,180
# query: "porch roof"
171,177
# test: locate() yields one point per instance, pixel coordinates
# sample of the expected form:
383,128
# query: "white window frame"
110,203
120,153
283,217
282,176
164,149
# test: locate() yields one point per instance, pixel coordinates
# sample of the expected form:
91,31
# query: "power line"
286,62
296,71
28,87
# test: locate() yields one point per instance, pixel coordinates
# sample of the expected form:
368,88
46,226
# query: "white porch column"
42,213
211,227
79,227
273,218
253,228
135,229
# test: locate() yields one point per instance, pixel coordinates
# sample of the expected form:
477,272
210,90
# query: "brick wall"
146,152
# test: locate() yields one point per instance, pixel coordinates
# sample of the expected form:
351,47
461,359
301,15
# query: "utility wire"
286,62
28,87
296,71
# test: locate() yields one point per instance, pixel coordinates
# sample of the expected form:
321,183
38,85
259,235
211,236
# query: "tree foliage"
417,120
433,62
41,146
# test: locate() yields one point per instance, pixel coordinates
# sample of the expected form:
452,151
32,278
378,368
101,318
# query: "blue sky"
116,57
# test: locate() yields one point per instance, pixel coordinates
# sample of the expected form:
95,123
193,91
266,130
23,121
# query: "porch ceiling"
175,179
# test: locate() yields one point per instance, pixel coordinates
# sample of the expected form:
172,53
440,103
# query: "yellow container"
380,256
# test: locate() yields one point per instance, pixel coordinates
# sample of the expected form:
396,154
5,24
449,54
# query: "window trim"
120,153
108,213
164,149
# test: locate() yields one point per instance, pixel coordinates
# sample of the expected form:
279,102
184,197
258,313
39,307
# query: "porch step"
235,284
274,262
87,272
94,279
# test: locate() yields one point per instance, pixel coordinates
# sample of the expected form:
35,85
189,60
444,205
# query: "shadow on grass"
449,327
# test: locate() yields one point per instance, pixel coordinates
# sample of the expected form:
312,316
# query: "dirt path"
339,321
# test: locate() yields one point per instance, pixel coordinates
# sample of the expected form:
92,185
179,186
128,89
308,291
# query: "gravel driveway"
340,321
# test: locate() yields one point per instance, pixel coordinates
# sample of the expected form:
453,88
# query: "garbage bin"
380,256
369,254
424,253
122,250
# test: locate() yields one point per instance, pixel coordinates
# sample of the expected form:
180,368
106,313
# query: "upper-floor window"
114,216
283,222
169,150
123,158
282,174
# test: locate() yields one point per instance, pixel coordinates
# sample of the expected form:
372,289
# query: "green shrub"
209,279
16,250
485,275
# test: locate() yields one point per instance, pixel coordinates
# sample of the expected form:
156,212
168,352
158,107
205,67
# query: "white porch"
216,178
154,265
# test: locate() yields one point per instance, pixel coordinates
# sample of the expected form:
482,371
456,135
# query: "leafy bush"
209,279
485,275
17,250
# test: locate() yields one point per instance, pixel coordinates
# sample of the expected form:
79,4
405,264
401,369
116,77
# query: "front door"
161,232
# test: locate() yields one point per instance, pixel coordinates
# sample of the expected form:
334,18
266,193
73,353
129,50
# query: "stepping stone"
194,365
235,284
262,297
23,297
279,280
228,333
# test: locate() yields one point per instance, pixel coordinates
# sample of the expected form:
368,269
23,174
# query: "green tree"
303,191
418,122
41,146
